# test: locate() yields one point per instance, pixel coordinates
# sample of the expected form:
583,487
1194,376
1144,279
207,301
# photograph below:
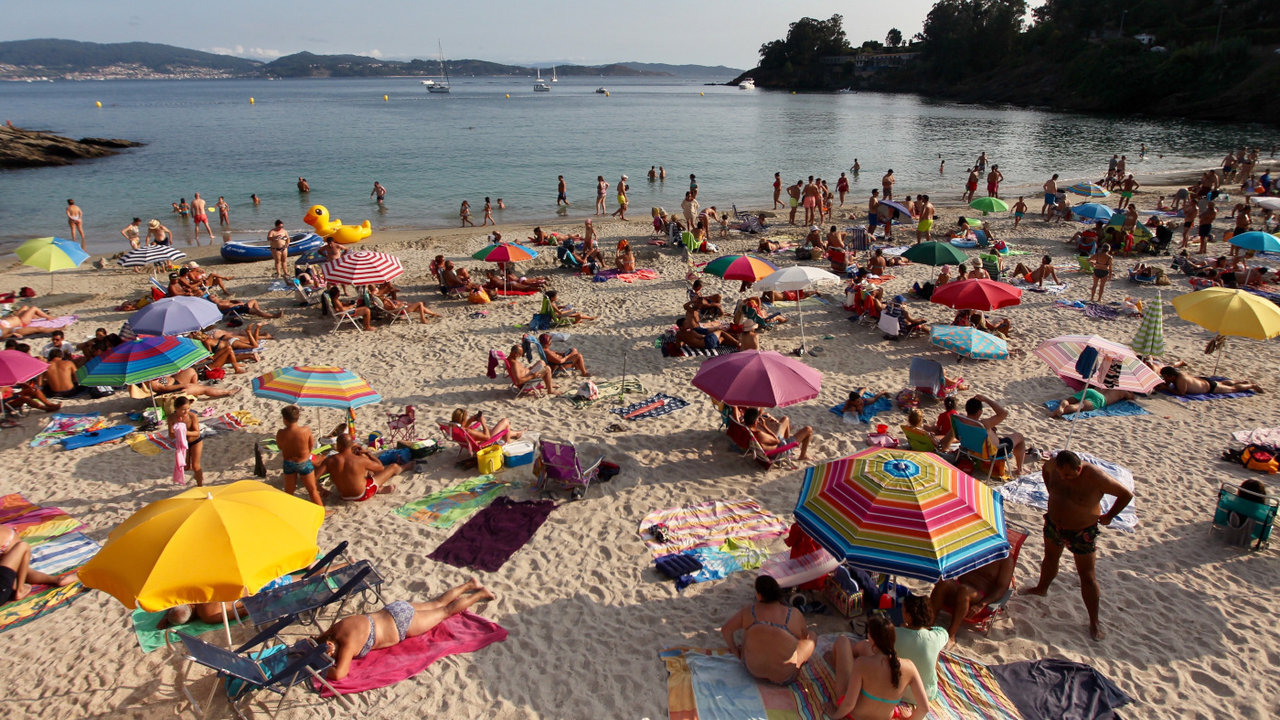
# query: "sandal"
615,427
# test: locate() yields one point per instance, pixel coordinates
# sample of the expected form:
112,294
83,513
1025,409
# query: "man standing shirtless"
200,215
886,184
355,636
1073,523
1050,196
924,229
357,475
296,443
561,192
793,192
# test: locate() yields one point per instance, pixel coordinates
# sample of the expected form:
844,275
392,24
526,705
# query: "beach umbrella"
504,252
1093,212
50,254
935,253
795,279
1089,189
362,267
969,342
1257,241
899,207
989,205
976,294
754,378
205,544
151,255
1233,312
316,386
1267,203
1149,339
1140,231
17,367
902,512
147,358
746,268
1062,354
175,316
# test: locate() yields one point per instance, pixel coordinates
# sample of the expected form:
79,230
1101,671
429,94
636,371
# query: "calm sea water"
433,151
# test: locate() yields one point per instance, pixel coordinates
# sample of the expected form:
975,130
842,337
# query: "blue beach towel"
1208,396
868,411
1120,409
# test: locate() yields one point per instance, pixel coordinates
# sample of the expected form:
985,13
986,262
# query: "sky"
703,32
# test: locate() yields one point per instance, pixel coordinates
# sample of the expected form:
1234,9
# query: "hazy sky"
707,32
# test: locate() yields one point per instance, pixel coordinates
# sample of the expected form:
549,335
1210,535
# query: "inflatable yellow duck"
318,218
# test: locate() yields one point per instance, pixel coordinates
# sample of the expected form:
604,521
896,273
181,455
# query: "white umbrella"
796,278
1267,203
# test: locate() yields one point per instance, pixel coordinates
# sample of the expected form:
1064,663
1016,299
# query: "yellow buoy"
701,94
793,92
606,93
250,101
384,98
98,103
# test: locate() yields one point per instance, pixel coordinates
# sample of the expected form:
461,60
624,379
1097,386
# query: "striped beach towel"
64,425
63,553
710,524
56,548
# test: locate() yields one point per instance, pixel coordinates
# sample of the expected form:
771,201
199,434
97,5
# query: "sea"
495,137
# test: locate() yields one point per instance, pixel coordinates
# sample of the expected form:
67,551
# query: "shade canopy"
175,316
1089,189
1092,211
505,252
1226,311
1063,353
316,386
989,205
969,342
150,255
362,267
935,253
146,358
51,253
902,512
976,294
17,367
214,544
1149,339
899,207
796,277
746,268
754,378
1256,240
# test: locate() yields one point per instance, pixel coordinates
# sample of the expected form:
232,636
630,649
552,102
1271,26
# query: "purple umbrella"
752,378
18,367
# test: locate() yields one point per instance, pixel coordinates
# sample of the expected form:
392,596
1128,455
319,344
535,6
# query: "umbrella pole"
1218,361
226,625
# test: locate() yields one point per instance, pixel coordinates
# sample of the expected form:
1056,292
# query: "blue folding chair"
302,600
978,443
1245,518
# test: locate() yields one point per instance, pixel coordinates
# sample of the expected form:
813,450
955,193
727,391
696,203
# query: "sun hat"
153,223
193,265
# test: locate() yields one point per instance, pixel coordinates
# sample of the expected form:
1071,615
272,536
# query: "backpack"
1259,459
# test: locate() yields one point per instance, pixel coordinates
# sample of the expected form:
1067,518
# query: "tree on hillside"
796,60
963,37
894,38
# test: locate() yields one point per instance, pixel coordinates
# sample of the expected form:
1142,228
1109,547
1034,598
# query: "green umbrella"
989,205
50,254
935,253
1150,337
1141,233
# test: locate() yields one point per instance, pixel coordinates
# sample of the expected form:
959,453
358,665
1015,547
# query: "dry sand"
1191,624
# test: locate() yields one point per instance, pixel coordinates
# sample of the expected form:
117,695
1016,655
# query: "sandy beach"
1189,618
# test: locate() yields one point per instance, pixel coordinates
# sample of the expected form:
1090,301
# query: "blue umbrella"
175,316
969,342
1093,211
1256,240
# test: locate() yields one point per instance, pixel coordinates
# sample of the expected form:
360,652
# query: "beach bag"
588,391
1259,459
907,399
101,391
27,292
478,297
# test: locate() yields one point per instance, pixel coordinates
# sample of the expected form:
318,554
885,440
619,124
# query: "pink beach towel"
461,633
55,324
180,457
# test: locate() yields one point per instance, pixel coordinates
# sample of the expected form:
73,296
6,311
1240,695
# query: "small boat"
540,85
443,85
254,250
553,74
747,84
602,91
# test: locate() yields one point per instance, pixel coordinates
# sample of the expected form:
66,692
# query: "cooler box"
489,460
518,453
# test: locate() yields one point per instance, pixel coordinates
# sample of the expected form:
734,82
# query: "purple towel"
495,533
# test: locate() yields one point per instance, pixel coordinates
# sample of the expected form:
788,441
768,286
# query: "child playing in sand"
1019,209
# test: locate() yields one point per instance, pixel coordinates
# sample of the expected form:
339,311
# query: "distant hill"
305,64
698,71
61,57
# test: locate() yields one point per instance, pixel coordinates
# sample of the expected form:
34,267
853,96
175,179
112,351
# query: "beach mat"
868,411
1099,311
490,538
1056,689
57,548
64,425
1121,409
1049,288
649,407
627,277
465,632
1200,397
57,323
710,524
609,389
1029,490
445,508
150,638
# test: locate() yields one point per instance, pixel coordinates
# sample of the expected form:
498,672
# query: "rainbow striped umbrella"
147,358
902,512
504,252
746,268
362,267
1089,189
316,386
1062,354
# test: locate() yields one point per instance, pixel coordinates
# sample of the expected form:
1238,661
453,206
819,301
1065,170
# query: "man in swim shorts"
1073,522
1050,196
873,211
793,193
200,215
561,196
296,443
924,230
356,635
356,474
1091,399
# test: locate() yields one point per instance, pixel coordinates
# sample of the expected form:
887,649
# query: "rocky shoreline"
21,148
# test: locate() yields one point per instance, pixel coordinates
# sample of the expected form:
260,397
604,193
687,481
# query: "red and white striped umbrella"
362,267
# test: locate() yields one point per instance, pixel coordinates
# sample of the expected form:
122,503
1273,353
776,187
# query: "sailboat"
553,74
540,85
443,85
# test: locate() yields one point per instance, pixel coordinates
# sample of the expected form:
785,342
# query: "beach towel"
443,509
490,538
56,548
150,638
279,285
1051,288
655,406
1206,396
686,351
627,277
878,279
1056,689
1260,436
180,457
64,425
868,411
511,293
462,633
55,324
1120,409
710,524
35,524
1100,312
1029,490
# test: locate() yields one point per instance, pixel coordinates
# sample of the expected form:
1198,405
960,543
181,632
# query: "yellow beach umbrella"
1227,311
212,544
51,254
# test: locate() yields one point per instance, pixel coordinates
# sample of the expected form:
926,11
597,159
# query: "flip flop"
817,351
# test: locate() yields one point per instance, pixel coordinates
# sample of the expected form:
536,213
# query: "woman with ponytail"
871,680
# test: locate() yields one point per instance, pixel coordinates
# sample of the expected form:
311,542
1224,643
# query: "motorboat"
602,91
254,250
747,84
540,85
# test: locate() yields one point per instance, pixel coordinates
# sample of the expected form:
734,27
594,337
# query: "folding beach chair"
467,445
1085,265
382,309
345,316
979,444
306,295
561,469
301,601
890,326
919,440
981,619
993,265
277,669
927,377
745,440
1244,518
403,426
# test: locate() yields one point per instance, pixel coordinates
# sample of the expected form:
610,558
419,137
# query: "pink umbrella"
752,378
18,367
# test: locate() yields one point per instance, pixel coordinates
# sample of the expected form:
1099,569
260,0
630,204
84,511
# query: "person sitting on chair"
355,636
1038,274
1091,399
979,321
564,313
907,324
521,373
356,474
1013,442
557,361
972,591
772,433
776,642
705,302
456,279
363,313
480,431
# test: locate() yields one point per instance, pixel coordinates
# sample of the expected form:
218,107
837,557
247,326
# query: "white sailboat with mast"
540,85
443,85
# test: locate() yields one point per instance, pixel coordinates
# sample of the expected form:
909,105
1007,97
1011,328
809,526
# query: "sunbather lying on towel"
355,636
493,281
17,322
1037,275
703,338
776,642
187,381
972,591
248,307
1180,383
16,575
1091,399
356,473
856,403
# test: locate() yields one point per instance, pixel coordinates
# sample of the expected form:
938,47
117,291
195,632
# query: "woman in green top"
1091,399
920,642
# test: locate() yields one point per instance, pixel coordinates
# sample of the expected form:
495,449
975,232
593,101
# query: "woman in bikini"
480,432
17,322
1101,262
775,640
871,679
